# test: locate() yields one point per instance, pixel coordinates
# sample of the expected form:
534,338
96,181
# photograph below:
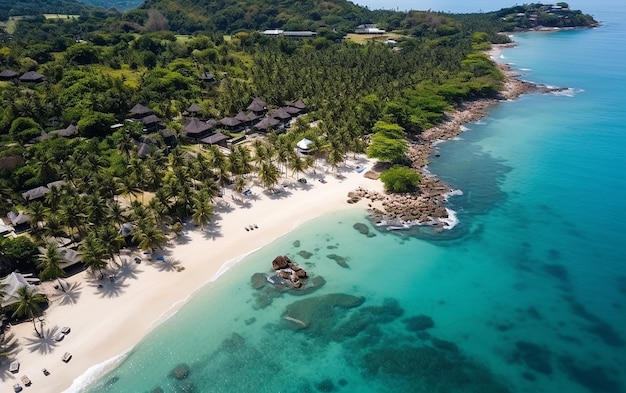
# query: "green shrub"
400,178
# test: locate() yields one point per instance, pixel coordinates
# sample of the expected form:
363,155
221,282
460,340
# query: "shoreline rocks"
426,206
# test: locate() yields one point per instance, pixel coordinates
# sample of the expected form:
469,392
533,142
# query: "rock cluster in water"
287,270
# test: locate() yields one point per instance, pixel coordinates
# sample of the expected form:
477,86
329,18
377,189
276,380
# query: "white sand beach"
106,321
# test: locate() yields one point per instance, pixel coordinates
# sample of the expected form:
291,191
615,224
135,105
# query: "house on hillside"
71,130
207,77
151,123
35,193
218,139
258,106
7,75
368,28
19,220
31,77
196,129
11,285
139,111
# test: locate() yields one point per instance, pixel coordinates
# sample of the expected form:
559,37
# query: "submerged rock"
319,314
431,369
326,385
258,280
536,357
594,378
341,261
363,229
305,254
419,323
296,243
181,371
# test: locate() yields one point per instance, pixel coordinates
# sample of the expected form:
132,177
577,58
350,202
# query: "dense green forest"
87,73
37,7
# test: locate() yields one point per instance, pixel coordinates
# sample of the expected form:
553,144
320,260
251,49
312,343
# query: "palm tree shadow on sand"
45,344
70,295
9,346
128,271
212,230
167,264
110,286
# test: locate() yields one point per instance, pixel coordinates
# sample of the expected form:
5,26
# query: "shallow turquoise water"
526,294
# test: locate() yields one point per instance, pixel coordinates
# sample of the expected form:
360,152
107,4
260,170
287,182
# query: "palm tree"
202,209
93,253
148,236
38,213
27,305
111,240
240,184
50,264
268,174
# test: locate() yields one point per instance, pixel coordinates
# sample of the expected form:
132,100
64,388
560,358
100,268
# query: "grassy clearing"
364,38
131,77
60,16
10,25
183,37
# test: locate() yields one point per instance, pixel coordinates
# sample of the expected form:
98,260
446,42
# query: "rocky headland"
426,206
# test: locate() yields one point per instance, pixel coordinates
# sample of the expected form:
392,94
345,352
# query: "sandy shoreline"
106,322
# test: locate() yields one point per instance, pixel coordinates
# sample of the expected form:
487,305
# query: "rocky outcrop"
280,262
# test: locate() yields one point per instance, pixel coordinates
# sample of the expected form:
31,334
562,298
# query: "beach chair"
66,357
14,367
25,380
17,388
65,330
59,337
160,258
45,371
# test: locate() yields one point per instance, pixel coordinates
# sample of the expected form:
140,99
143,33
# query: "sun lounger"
14,367
25,380
59,337
160,258
65,330
45,371
17,388
66,357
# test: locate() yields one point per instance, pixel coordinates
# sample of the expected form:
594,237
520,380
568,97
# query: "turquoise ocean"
526,294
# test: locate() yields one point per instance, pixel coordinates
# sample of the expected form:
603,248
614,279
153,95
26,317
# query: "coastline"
108,321
427,206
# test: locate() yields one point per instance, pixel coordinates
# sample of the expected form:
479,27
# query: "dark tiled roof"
195,126
298,104
281,113
214,138
229,122
139,109
150,119
8,74
267,122
257,105
31,76
193,108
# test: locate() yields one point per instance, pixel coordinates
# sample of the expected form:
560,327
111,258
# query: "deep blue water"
526,294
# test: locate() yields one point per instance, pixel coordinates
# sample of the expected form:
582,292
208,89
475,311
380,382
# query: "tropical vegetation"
361,98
